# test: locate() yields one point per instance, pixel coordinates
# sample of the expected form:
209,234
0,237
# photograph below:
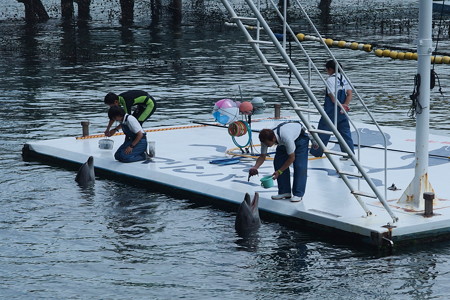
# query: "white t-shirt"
331,84
132,123
289,132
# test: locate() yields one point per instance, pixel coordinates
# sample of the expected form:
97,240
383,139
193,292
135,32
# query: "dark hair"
115,111
110,98
332,65
266,135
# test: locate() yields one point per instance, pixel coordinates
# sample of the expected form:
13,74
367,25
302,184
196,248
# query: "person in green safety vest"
145,105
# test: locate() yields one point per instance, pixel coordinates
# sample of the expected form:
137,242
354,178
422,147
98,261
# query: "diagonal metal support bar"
288,63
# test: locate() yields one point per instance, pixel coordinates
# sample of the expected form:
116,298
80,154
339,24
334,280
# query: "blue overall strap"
341,83
279,126
129,135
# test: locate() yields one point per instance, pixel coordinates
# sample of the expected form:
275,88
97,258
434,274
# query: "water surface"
117,240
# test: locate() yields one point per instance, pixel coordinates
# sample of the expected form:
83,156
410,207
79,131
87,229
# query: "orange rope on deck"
148,130
164,129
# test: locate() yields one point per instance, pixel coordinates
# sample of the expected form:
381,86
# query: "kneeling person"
135,144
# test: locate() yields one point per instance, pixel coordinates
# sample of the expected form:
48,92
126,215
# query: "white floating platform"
183,156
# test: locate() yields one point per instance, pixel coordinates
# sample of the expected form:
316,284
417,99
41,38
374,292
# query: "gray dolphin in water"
86,174
247,218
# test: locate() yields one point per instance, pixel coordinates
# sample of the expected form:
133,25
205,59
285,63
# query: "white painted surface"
182,161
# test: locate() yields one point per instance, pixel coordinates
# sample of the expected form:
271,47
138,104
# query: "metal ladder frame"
254,43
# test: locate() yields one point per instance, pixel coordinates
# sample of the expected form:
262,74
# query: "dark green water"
118,241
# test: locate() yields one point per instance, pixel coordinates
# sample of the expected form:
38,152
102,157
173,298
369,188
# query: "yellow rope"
164,129
147,130
229,151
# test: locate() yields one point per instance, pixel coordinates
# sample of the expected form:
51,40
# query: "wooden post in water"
176,11
127,7
325,5
34,11
67,9
84,12
156,10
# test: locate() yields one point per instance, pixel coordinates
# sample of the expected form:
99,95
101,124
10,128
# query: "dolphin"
86,175
247,218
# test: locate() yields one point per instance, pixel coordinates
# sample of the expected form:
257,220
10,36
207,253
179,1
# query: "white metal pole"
422,127
420,184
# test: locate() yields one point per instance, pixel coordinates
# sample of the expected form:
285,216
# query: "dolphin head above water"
247,218
86,174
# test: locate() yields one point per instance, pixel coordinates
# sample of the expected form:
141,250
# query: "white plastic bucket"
151,148
106,144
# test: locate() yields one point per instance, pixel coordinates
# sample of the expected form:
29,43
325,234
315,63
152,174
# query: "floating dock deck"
184,153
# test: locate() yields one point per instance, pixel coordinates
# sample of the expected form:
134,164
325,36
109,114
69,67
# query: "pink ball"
225,103
246,107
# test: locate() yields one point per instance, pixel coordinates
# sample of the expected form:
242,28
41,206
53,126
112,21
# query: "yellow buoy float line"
410,55
368,48
364,47
340,44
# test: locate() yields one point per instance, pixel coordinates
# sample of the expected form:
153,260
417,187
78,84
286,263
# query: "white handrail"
281,49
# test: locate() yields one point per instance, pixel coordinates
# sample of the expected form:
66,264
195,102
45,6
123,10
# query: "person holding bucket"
135,144
292,149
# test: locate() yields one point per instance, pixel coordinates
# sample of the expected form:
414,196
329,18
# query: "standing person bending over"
145,105
292,148
135,144
344,95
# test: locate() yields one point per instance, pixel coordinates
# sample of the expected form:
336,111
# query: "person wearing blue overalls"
344,95
292,149
135,144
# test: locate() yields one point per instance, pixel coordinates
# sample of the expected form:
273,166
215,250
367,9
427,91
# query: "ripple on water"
116,240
